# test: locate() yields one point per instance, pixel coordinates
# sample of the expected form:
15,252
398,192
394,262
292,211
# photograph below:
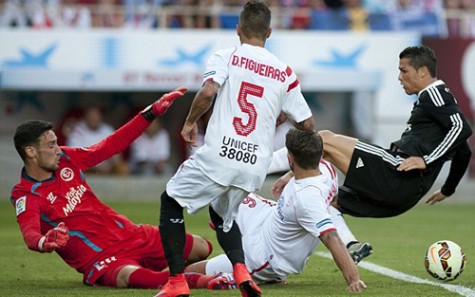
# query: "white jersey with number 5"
255,88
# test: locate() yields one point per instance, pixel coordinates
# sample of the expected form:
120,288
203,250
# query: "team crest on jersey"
20,205
66,174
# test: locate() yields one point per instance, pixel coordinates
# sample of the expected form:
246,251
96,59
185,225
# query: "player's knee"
117,277
124,275
201,249
326,135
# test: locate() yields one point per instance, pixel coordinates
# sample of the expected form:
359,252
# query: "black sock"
172,231
230,241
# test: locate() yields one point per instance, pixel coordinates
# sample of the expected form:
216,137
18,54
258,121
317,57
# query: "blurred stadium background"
59,56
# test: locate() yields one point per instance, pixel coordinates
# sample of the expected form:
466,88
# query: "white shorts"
252,214
262,275
194,190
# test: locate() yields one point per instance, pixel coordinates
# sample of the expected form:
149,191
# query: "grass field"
399,244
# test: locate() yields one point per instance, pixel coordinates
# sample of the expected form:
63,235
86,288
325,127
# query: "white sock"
343,231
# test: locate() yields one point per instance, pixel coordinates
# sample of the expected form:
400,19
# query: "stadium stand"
454,18
379,21
329,20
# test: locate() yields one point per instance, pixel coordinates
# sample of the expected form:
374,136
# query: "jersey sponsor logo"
238,150
259,68
359,163
280,205
74,197
51,197
103,264
20,205
66,174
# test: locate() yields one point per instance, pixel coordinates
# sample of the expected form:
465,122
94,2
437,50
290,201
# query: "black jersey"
438,131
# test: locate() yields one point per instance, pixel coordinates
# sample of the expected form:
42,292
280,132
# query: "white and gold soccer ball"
445,260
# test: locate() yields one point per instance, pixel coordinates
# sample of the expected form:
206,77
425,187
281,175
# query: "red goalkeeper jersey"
66,197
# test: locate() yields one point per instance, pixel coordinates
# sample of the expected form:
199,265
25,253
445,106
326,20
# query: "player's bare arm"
280,184
281,119
343,260
412,163
308,124
201,104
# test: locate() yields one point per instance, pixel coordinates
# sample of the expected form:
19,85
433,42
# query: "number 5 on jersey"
248,108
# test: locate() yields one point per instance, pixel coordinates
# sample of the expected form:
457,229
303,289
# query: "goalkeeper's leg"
132,276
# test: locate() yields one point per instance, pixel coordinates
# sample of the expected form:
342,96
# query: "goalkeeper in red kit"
58,211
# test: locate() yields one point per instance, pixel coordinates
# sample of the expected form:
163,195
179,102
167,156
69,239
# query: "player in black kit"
387,182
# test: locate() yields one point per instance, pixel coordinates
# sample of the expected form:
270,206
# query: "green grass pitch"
399,244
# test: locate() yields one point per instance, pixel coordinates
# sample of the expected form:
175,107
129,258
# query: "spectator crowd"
455,18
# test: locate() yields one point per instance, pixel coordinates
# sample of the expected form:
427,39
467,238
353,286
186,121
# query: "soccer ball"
445,260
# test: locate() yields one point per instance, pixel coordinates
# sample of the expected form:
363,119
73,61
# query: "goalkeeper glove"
55,238
160,106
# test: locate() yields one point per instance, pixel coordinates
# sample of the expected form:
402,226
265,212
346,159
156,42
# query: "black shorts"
374,188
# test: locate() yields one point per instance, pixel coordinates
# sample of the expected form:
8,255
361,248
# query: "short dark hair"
420,56
28,134
305,146
254,19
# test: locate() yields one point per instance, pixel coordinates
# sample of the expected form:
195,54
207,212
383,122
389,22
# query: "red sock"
197,280
210,248
148,279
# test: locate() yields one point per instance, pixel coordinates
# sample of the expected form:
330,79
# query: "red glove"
160,106
55,238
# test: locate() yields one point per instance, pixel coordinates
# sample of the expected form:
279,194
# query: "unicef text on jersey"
238,150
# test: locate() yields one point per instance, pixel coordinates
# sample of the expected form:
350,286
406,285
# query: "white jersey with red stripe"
278,237
255,87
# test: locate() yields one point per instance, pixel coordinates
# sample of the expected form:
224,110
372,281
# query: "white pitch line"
461,290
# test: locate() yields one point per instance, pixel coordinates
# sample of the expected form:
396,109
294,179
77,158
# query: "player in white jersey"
358,250
273,231
251,87
266,241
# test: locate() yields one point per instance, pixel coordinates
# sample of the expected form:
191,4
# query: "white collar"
434,84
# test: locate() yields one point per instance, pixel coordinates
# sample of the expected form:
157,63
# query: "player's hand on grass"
160,106
436,197
55,238
412,163
356,286
280,184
